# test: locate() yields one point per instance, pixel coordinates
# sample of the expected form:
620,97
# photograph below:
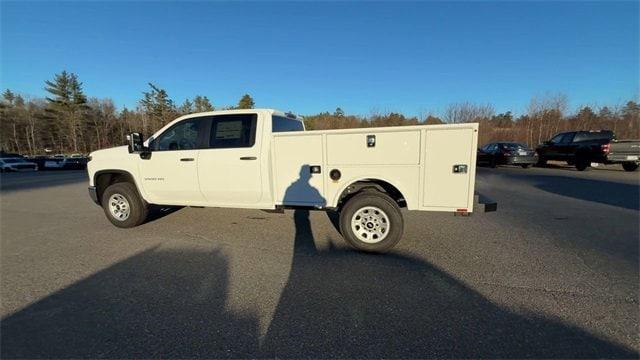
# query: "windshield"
13,161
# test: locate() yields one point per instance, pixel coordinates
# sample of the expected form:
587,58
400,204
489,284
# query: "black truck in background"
581,148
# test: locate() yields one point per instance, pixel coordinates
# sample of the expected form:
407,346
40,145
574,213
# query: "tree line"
69,121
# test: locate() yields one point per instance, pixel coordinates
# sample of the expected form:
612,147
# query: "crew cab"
582,148
264,159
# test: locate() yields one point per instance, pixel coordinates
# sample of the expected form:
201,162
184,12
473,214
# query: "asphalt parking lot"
553,273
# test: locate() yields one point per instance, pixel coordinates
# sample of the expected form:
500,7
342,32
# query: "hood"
114,152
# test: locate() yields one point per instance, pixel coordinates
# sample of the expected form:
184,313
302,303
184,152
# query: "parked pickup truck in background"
625,152
264,159
581,148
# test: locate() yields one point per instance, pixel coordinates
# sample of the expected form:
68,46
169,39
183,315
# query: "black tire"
582,163
138,208
524,166
630,166
493,163
388,207
542,162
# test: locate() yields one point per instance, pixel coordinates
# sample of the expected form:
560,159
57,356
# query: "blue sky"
309,57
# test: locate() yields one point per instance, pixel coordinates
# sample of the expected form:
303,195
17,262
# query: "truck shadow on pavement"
157,303
336,304
604,192
346,304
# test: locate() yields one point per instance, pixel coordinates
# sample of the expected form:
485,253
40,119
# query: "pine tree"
186,107
67,106
246,102
158,108
202,104
8,96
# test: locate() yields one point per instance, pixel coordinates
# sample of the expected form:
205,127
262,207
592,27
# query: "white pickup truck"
264,159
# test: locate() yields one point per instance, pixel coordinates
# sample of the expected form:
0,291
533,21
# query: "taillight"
605,148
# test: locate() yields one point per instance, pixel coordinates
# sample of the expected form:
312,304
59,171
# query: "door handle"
186,159
248,158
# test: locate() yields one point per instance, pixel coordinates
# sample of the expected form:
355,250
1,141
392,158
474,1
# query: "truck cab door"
566,147
552,147
230,165
169,173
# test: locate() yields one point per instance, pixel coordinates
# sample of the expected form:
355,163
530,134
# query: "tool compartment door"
295,181
449,169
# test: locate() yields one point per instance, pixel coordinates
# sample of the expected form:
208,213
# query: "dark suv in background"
581,148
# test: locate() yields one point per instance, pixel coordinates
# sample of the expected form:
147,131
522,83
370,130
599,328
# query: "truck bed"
624,150
432,166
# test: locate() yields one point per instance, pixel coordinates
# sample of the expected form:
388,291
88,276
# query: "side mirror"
136,145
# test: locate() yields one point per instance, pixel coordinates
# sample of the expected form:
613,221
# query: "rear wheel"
630,166
524,166
542,162
123,206
371,221
582,163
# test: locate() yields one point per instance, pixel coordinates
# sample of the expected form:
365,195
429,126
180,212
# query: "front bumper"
522,160
93,194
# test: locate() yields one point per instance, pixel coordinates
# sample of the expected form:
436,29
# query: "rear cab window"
282,124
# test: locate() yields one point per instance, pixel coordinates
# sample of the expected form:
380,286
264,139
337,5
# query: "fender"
351,181
116,171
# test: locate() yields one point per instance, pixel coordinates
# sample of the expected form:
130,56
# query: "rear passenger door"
229,168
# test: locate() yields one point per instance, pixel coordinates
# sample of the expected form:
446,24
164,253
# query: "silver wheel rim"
370,224
119,207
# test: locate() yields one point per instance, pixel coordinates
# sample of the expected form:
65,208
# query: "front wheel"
630,166
524,166
371,221
123,206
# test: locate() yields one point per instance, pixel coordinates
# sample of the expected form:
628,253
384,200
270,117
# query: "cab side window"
556,139
567,138
233,131
182,136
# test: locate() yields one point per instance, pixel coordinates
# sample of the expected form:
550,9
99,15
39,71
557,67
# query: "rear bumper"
484,203
93,194
622,158
521,160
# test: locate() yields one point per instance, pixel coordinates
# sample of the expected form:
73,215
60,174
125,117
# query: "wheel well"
372,184
104,179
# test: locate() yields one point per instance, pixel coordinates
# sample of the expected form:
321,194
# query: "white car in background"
17,164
